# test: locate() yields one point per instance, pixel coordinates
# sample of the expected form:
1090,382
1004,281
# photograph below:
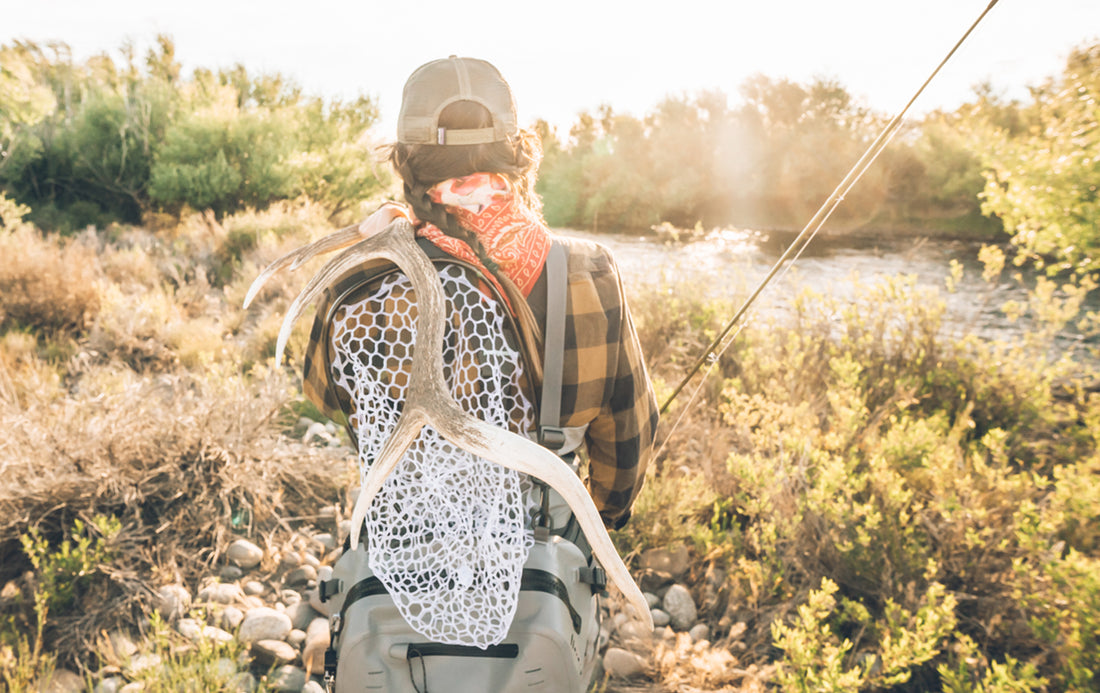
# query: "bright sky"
564,56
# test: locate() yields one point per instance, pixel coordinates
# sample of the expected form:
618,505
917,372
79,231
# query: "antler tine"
374,247
429,401
509,450
296,258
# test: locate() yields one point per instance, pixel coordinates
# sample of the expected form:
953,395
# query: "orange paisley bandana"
514,237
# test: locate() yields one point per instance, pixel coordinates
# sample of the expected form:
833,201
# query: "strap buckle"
551,437
327,589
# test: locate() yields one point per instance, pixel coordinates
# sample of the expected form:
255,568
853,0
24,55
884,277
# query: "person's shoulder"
586,255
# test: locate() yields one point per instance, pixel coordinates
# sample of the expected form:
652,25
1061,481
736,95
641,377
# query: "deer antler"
429,402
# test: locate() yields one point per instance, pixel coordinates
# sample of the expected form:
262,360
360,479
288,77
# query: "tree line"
109,140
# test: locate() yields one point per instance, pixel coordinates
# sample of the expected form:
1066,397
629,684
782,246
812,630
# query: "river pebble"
699,632
221,593
253,588
302,575
287,679
230,573
621,663
660,618
173,601
680,607
264,623
244,554
111,684
63,681
231,618
268,653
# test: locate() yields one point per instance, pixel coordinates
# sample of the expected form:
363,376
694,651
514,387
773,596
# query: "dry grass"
135,388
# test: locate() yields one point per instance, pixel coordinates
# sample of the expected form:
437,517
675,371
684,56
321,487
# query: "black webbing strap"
541,581
557,286
532,580
437,649
367,587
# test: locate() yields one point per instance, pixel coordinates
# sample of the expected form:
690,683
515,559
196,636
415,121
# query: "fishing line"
794,251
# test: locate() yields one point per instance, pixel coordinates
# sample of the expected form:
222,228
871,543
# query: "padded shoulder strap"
557,286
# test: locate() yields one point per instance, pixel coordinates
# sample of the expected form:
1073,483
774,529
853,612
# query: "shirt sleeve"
613,393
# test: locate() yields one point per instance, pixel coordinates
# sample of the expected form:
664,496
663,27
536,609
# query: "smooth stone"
225,667
264,623
620,663
699,632
651,599
230,573
326,540
296,638
243,682
618,620
313,687
196,631
268,653
64,681
301,576
289,597
301,615
189,628
660,618
244,553
221,593
675,561
121,644
633,632
231,618
173,601
317,641
311,561
253,588
680,607
287,679
290,561
111,684
142,661
252,602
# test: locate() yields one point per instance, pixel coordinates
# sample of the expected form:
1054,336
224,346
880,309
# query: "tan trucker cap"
435,85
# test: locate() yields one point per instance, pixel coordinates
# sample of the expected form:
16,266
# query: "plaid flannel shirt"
604,382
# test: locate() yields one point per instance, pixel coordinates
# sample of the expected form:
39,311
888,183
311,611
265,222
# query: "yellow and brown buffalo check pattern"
604,383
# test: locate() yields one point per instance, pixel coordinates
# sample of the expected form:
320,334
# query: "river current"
730,264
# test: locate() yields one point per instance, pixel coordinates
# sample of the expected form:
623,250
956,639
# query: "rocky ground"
278,618
266,598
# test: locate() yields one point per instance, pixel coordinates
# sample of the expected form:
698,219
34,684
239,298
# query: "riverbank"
851,475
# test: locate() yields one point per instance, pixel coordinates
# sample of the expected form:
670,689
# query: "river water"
730,264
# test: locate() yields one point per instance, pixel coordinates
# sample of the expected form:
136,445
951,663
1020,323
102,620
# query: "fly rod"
814,225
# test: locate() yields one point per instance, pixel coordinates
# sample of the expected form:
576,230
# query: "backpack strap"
551,434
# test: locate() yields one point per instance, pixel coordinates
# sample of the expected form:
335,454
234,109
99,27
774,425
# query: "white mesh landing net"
448,533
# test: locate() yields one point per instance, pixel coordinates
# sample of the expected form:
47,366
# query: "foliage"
767,162
58,575
99,142
896,508
1042,173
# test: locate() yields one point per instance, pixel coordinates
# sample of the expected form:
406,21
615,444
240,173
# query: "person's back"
451,538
